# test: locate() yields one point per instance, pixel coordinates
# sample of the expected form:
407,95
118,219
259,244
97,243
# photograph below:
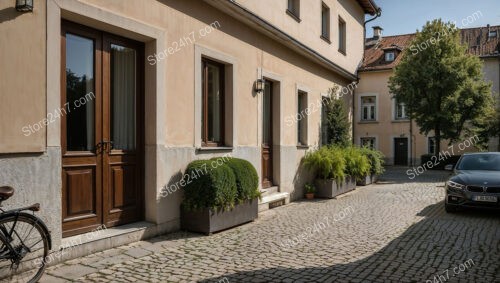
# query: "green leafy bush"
310,188
328,163
247,179
219,183
357,164
209,186
376,159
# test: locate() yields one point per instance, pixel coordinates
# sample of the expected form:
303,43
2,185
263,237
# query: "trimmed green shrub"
327,162
376,159
357,164
209,186
247,179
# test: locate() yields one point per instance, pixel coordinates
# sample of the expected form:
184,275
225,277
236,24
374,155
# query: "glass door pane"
79,106
123,97
266,117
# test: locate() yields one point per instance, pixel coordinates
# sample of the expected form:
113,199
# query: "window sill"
368,122
401,121
295,17
214,148
326,39
300,146
342,52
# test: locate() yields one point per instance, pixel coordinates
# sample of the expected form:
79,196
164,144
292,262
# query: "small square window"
389,56
492,33
368,142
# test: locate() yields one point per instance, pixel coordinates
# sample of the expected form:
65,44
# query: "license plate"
485,198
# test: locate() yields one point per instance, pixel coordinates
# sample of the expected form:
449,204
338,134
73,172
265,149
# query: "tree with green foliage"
441,84
338,128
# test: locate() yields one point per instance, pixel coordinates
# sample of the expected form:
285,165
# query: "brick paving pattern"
395,231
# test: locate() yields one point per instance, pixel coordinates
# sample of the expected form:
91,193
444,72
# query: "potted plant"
329,164
357,165
376,160
219,197
310,190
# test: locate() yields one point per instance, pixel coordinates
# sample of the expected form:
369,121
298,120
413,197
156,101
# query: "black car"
475,182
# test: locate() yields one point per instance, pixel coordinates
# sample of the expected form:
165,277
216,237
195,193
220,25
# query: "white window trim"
231,71
394,112
375,145
389,53
360,112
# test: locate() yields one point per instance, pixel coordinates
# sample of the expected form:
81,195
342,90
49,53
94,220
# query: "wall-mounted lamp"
24,5
259,85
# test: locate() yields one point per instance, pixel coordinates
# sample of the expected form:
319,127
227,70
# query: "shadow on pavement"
431,247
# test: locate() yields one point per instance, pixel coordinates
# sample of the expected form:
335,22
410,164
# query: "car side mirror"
449,167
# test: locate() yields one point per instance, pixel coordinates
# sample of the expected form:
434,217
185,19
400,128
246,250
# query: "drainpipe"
378,14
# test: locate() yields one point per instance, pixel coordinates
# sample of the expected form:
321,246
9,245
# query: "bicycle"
24,242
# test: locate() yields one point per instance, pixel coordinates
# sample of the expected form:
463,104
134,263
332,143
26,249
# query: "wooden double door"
101,129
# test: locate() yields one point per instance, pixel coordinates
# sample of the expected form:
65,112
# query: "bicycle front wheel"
23,250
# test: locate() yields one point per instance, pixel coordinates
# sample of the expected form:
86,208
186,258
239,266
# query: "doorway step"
272,197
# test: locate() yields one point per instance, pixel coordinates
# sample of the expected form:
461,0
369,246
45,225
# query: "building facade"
383,123
104,103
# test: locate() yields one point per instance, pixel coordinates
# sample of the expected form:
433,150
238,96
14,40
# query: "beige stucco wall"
308,30
22,78
170,95
385,129
251,50
491,70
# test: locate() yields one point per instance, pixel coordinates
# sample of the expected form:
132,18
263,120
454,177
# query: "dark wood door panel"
81,198
401,151
80,193
101,185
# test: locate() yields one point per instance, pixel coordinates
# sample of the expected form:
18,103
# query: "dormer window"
389,56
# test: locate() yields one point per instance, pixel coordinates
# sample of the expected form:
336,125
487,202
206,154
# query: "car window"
489,162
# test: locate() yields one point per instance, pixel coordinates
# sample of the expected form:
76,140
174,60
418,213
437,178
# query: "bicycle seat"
6,192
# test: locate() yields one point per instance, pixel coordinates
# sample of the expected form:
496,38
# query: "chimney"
377,32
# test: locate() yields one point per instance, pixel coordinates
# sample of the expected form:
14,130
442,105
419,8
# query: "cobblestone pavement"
395,231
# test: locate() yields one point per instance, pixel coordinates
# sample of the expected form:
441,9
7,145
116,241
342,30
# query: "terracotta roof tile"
476,38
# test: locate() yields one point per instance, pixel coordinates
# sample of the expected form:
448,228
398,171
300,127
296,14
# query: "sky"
406,16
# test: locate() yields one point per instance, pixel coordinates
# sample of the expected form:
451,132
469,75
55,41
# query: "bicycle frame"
5,236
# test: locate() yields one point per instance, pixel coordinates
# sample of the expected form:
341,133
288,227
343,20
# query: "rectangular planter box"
369,179
330,188
208,221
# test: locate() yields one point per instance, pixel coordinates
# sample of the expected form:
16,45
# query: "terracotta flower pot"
310,195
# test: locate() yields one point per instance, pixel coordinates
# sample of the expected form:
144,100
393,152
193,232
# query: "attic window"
389,56
492,33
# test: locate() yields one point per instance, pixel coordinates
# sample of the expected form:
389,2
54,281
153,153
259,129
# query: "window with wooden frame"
342,36
325,22
213,104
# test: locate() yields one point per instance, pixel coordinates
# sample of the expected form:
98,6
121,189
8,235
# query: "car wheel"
450,208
